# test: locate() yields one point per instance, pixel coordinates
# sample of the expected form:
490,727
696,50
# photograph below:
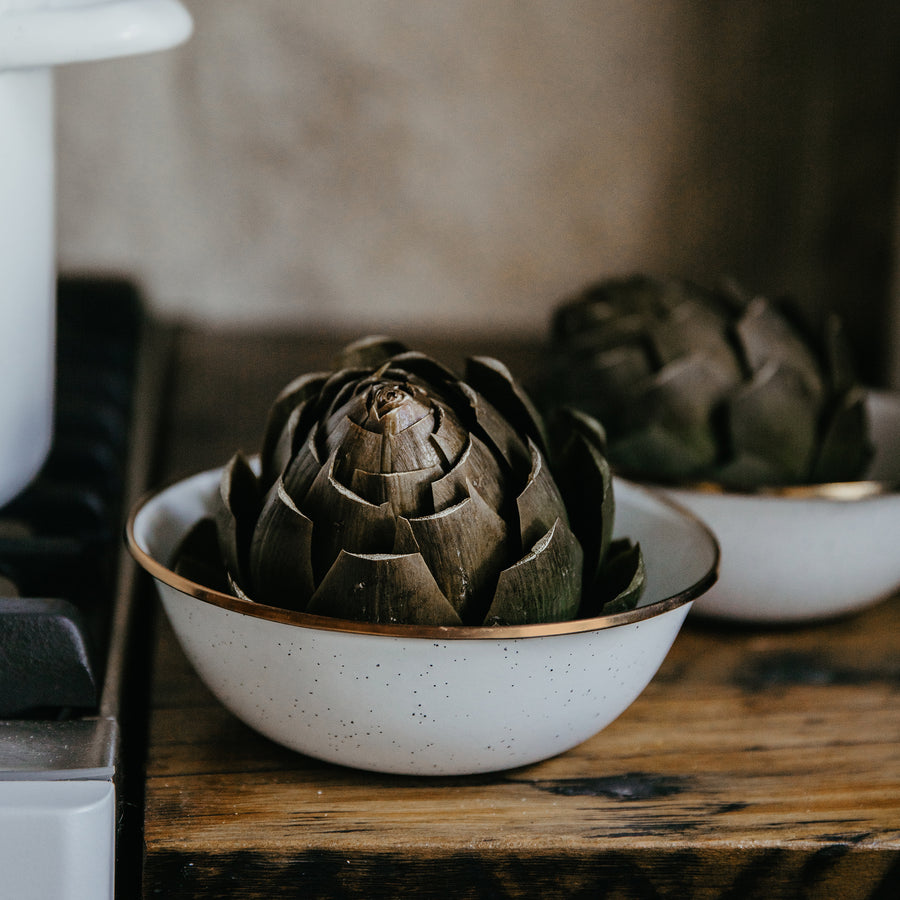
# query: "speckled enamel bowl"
413,700
814,552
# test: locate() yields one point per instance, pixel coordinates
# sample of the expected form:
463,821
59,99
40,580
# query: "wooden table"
758,763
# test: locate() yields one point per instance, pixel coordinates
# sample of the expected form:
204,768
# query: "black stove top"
73,649
60,539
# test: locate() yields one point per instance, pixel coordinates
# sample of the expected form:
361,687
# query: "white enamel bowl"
438,701
808,553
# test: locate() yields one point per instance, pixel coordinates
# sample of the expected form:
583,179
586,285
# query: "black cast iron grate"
60,539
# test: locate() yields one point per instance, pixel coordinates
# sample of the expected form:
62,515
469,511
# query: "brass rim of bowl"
431,632
840,491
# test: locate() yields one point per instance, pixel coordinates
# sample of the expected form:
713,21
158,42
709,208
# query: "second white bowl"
807,553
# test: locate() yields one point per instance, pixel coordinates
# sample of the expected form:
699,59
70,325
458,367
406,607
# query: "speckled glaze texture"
433,703
416,705
795,558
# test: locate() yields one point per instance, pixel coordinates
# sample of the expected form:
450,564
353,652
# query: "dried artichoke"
391,491
694,385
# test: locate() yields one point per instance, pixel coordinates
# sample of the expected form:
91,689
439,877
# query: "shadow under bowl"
436,700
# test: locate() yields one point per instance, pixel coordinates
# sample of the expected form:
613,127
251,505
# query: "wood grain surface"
758,762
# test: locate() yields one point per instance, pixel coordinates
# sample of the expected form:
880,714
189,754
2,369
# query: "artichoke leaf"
675,418
277,455
839,365
288,406
670,456
683,394
603,310
341,388
199,559
614,372
369,352
449,438
497,432
773,418
356,447
236,590
280,566
732,297
377,439
419,370
766,336
344,520
465,546
404,540
236,505
493,380
589,311
604,384
695,329
383,588
407,493
477,467
539,504
585,482
303,469
585,424
423,369
622,329
544,586
620,582
844,446
581,316
745,471
391,407
415,447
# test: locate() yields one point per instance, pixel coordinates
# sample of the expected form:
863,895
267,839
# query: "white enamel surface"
27,275
788,559
52,32
423,706
57,840
35,34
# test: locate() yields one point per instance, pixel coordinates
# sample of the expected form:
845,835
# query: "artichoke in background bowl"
755,424
693,384
391,491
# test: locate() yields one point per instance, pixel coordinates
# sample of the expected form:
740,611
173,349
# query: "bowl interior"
680,552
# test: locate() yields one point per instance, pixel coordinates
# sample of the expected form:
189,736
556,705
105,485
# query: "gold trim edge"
164,574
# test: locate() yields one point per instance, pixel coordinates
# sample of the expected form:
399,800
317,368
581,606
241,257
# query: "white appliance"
36,36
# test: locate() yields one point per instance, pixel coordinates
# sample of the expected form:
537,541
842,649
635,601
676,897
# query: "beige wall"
415,163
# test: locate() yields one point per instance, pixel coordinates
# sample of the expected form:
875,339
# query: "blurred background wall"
404,165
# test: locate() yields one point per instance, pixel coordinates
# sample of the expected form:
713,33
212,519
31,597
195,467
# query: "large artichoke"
391,491
694,384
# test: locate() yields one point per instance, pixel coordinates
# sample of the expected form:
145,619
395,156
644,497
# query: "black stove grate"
60,539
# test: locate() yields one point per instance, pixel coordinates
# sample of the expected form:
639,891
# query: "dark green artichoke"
694,385
391,491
